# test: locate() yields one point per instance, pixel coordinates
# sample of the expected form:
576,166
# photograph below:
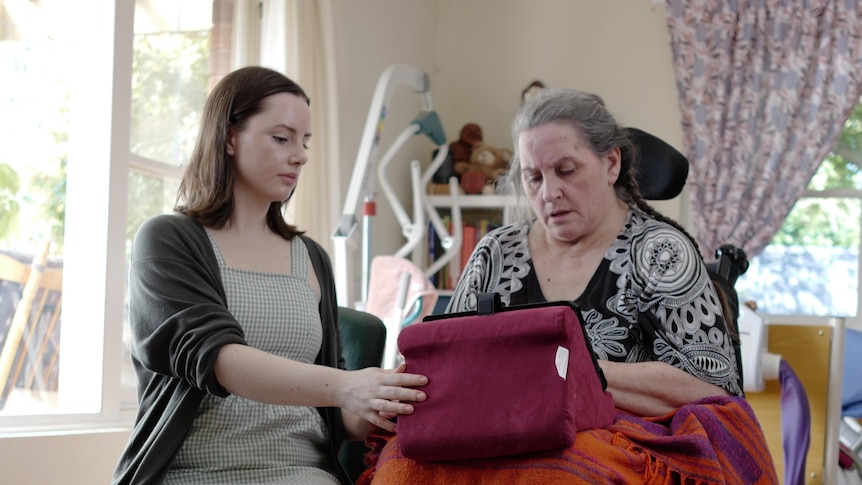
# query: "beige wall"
619,50
478,63
374,34
73,459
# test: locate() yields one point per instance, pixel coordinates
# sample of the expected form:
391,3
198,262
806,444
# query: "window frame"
94,279
100,163
854,321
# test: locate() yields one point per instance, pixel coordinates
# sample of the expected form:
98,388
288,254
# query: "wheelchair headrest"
662,169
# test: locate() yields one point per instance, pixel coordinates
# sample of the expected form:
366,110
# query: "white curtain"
297,37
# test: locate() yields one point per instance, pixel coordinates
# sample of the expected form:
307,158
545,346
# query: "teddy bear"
486,159
459,153
487,162
462,148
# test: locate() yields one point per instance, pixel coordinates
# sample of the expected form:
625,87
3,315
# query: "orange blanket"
714,441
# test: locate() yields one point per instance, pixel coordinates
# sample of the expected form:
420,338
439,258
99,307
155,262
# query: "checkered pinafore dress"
236,440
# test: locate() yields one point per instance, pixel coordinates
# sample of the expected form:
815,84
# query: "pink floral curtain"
764,89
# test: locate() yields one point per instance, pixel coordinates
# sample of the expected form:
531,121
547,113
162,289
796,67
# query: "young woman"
234,316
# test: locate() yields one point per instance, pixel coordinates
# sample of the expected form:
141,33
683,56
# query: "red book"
468,244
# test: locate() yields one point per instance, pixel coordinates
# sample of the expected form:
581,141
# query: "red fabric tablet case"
493,384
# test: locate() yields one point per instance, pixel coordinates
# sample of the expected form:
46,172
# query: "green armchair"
363,337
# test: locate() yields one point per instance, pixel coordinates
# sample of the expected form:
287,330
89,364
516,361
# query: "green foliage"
47,189
169,88
842,167
9,186
830,222
147,196
824,222
52,186
35,103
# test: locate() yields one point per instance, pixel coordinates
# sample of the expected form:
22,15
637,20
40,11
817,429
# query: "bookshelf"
479,214
471,201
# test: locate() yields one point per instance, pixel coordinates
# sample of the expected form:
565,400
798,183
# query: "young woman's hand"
378,395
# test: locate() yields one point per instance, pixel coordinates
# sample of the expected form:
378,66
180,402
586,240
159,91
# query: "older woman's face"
570,188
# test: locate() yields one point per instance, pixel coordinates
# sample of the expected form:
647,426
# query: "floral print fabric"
650,299
764,89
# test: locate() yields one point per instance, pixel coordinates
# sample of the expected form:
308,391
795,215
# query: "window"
170,82
91,148
811,266
34,100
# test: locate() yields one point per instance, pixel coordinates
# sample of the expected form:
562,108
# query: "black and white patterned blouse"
651,298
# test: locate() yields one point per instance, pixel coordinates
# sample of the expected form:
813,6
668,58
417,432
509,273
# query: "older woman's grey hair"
587,113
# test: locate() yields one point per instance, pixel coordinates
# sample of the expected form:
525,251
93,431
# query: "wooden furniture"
30,335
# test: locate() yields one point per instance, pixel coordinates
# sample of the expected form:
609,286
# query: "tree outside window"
811,266
170,81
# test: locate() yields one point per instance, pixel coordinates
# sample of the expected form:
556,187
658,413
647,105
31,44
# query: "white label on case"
562,361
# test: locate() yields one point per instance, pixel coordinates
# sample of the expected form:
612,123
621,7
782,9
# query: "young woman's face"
570,188
270,150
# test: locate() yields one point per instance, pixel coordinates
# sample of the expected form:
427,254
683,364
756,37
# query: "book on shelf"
433,252
442,279
447,277
453,268
468,243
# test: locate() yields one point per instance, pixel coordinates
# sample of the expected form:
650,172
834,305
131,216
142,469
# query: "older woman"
651,312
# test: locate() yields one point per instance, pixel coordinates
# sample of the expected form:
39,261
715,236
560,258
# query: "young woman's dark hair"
206,189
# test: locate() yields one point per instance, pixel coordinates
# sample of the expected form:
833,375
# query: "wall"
619,50
71,459
374,34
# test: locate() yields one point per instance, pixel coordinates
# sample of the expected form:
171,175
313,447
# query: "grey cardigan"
179,321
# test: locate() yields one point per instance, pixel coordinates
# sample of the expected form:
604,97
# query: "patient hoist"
361,193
